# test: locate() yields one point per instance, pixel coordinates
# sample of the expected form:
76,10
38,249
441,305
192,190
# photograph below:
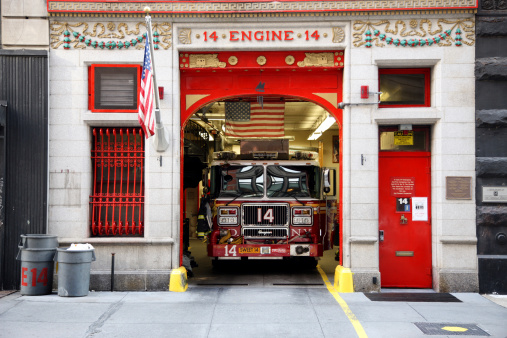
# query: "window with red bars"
117,202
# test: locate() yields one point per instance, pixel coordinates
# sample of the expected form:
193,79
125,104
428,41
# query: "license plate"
249,250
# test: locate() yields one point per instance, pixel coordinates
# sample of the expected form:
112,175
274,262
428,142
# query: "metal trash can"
36,252
37,241
36,271
74,271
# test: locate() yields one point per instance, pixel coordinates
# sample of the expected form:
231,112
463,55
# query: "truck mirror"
204,179
327,181
227,178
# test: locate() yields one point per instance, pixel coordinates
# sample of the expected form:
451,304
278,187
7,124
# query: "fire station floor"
257,273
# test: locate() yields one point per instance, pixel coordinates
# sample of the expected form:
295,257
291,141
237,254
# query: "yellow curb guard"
343,280
350,315
178,281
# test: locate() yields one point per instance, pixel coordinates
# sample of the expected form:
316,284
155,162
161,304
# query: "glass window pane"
402,89
292,181
244,181
389,141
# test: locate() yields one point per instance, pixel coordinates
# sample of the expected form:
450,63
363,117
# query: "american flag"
146,115
245,119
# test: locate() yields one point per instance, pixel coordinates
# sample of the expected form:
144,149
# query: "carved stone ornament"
338,35
317,60
185,36
82,35
290,60
233,60
261,60
414,33
205,61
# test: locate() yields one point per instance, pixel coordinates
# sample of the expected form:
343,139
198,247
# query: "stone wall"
491,138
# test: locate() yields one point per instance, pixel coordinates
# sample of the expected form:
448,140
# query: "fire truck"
270,202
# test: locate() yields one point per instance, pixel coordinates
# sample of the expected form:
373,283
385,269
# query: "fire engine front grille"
265,232
265,214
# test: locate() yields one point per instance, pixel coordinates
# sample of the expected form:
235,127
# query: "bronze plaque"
458,188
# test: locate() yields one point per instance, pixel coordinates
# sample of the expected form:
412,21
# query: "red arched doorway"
207,77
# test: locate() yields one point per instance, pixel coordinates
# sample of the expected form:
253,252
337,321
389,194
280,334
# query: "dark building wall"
491,142
24,91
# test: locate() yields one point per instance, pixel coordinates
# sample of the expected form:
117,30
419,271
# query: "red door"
405,219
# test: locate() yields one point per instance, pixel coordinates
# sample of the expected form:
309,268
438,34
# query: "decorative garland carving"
420,32
78,35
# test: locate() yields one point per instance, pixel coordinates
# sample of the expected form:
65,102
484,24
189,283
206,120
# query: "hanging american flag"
146,115
245,119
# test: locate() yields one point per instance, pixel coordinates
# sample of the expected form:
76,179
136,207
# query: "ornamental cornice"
256,8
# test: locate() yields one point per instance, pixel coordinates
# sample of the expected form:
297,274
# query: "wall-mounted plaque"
458,188
494,194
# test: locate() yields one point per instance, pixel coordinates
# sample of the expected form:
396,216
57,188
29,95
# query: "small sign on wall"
458,188
494,194
402,186
404,138
419,208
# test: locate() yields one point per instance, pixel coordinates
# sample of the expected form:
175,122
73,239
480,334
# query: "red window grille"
117,203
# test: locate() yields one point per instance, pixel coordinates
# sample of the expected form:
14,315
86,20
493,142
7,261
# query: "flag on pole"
146,114
245,119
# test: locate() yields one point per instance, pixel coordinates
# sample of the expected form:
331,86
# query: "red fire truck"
271,203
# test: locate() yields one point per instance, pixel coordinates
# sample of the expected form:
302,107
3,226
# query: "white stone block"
21,32
364,195
465,146
361,255
24,8
459,256
364,211
458,211
458,162
363,228
459,114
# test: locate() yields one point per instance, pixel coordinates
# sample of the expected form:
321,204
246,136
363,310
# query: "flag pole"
160,140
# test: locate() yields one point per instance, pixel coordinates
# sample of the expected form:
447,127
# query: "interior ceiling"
298,116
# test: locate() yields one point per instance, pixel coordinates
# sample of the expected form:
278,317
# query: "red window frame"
117,200
91,88
427,85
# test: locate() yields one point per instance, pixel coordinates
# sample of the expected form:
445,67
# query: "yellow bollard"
343,281
178,281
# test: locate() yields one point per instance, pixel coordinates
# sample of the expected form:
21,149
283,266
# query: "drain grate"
451,329
412,297
222,284
298,284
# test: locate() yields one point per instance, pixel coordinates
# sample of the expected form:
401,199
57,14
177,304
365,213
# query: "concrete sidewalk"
239,312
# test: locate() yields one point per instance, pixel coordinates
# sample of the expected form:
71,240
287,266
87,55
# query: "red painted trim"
182,192
91,87
427,85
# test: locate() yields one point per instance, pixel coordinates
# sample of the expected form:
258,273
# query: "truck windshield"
292,181
244,181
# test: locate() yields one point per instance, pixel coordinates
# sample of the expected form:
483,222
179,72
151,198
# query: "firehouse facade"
397,79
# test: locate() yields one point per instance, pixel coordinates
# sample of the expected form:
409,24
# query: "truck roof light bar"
269,155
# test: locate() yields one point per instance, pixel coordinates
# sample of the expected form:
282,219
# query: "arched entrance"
209,77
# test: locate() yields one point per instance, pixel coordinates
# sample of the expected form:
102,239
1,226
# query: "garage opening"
261,166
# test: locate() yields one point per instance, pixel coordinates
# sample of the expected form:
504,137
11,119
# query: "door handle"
381,235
